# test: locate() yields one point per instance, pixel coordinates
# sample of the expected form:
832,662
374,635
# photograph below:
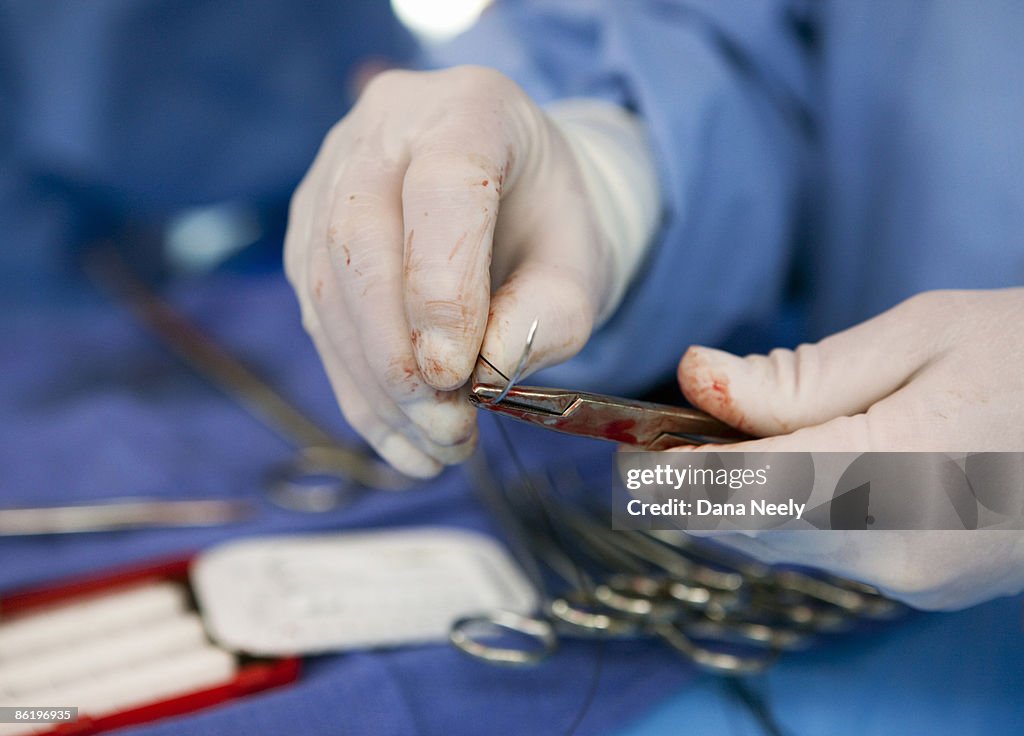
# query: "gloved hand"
440,218
940,372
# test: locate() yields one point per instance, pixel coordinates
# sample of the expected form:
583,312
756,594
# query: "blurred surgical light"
438,20
200,238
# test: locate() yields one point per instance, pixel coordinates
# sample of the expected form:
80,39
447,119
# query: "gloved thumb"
843,375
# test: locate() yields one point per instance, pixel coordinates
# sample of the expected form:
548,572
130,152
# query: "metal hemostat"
629,422
324,473
726,613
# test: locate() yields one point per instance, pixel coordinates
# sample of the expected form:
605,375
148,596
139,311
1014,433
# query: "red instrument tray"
254,674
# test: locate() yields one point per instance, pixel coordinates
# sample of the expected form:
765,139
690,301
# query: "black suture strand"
552,529
493,367
756,703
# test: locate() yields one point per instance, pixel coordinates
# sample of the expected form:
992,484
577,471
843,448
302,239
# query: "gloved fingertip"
406,458
444,362
447,421
707,377
460,452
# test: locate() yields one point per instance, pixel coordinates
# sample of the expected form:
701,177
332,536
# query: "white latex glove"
941,372
442,216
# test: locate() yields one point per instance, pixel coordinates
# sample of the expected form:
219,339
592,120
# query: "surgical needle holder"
639,424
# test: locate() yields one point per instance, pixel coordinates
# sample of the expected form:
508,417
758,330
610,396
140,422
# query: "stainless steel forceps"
121,513
323,472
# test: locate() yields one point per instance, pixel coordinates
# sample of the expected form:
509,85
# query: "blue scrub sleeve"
723,89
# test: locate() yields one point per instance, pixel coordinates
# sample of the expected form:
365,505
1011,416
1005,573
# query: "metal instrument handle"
466,634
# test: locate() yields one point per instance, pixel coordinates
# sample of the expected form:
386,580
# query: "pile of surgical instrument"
725,612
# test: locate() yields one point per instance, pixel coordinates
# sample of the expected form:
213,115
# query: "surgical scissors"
726,613
572,611
323,472
594,599
639,424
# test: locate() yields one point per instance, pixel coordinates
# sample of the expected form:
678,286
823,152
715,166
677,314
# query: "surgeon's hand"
941,372
442,216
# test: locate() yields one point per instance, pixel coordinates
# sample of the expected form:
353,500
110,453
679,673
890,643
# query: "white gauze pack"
312,594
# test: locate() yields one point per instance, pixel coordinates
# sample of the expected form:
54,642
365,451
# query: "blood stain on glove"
403,372
708,391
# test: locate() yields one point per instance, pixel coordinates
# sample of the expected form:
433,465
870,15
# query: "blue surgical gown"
839,155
